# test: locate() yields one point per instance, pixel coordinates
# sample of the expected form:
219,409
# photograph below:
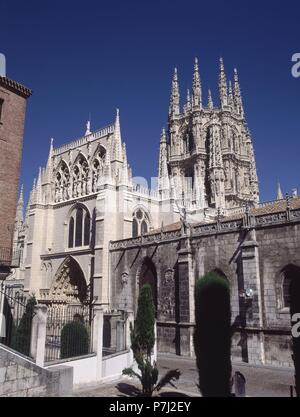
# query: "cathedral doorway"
147,275
69,285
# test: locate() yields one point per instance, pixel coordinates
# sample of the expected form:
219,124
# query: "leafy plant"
74,340
212,336
142,344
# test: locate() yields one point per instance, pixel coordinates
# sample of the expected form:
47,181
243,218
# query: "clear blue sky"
92,56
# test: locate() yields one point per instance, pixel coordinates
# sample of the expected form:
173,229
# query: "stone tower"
207,153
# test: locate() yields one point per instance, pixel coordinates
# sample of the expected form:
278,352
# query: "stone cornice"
15,87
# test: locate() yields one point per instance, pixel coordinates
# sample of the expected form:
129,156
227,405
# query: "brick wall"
11,141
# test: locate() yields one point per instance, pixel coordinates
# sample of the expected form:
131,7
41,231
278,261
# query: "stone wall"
19,377
248,257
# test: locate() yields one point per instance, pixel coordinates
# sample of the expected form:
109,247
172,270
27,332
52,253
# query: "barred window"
79,228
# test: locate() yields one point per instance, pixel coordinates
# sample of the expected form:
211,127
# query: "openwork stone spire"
174,100
197,95
210,100
238,95
117,141
163,176
222,85
49,167
20,207
230,96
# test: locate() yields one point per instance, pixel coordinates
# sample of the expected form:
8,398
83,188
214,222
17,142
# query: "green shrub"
74,340
212,336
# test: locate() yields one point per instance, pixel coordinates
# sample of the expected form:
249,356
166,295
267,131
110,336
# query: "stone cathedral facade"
90,231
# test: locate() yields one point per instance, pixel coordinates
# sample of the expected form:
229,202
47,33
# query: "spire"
125,170
32,193
174,101
117,141
238,95
49,167
230,96
163,175
210,100
222,85
197,95
107,167
279,192
188,100
38,191
20,207
88,128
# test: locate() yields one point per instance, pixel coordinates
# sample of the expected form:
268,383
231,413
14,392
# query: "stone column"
184,329
38,334
97,342
251,304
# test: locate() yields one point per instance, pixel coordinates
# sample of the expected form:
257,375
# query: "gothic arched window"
62,182
80,177
97,166
135,228
79,228
140,223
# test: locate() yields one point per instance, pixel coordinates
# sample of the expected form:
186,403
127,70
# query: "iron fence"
68,331
16,314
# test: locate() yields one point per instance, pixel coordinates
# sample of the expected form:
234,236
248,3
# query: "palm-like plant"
142,344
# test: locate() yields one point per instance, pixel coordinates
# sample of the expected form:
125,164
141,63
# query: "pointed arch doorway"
147,275
69,285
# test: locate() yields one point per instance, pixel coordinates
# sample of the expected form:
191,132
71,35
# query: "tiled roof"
16,87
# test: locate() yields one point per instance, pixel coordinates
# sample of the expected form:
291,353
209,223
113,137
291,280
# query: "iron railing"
68,331
16,314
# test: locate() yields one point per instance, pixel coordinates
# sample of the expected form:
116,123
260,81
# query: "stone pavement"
261,381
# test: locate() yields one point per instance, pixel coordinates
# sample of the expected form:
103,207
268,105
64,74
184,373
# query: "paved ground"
260,381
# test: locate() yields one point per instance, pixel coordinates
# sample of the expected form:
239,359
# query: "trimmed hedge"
212,336
74,340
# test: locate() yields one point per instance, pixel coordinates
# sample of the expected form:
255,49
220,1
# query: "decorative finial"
88,128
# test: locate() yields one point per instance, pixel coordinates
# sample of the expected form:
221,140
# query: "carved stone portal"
69,284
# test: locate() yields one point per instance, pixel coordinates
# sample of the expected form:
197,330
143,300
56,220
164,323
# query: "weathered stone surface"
22,378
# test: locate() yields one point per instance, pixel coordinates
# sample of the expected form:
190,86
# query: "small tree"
74,339
212,336
142,344
21,336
